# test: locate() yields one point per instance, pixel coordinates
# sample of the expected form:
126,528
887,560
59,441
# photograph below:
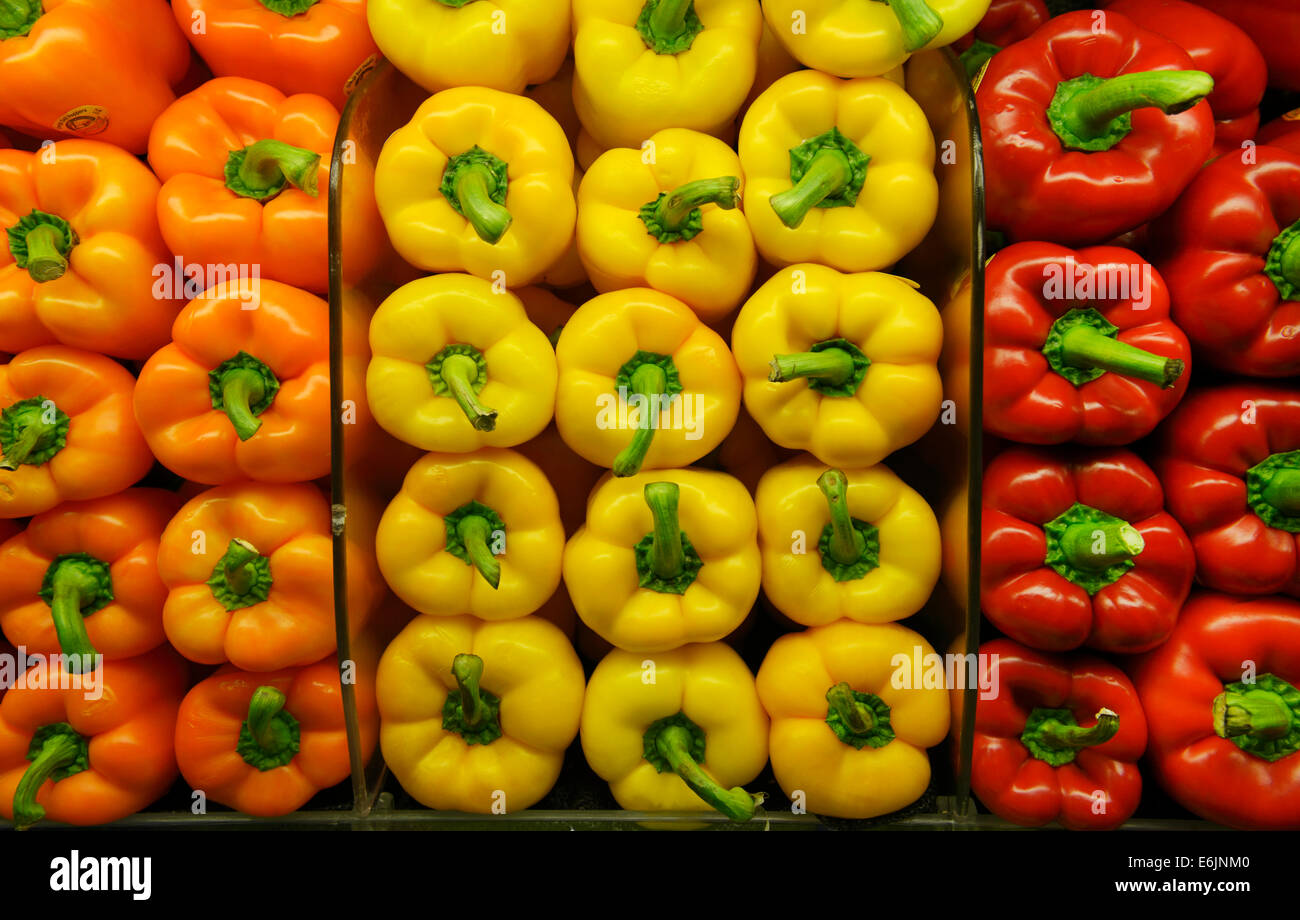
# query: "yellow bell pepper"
667,217
644,65
643,384
839,172
456,365
478,181
677,730
472,533
856,543
842,366
475,716
665,558
850,721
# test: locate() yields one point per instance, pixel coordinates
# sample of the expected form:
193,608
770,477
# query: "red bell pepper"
1078,346
1231,134
1230,250
1230,464
1275,27
1059,741
1224,710
1077,547
1283,131
1005,22
1089,133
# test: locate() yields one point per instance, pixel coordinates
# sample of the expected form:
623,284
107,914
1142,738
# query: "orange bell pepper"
66,430
245,172
249,577
243,391
80,263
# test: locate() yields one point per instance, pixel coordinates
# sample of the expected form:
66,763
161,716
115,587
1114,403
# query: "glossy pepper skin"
472,534
271,209
242,392
457,365
1058,740
297,46
90,754
79,263
1225,713
479,181
1077,161
1274,26
476,716
838,172
67,432
90,68
843,366
845,730
248,576
1077,548
686,740
1230,461
1230,250
1078,346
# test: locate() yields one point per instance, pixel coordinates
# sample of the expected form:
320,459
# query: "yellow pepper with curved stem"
644,65
665,558
855,543
478,181
456,365
839,172
477,534
643,384
667,217
842,366
676,732
475,716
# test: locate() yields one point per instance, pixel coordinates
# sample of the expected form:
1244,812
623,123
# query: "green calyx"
262,169
646,381
243,388
1093,113
1054,736
976,56
18,16
57,751
676,744
1273,490
288,7
858,719
827,171
666,561
919,23
41,244
269,736
675,217
668,26
1082,345
834,367
475,184
1091,548
456,4
471,712
75,586
471,530
1262,718
1282,264
460,371
849,548
241,577
32,432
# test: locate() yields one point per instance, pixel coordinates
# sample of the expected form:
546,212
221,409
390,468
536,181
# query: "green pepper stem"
468,671
489,219
920,23
45,261
1099,546
974,57
649,381
667,558
241,389
856,716
36,436
238,563
1089,114
57,751
288,7
263,706
18,16
834,365
74,587
847,545
828,172
1058,736
460,373
1289,262
673,744
1088,347
1283,491
674,209
475,531
1259,713
268,164
668,18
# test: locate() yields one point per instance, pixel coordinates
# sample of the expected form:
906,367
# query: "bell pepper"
80,262
1077,547
1006,21
1221,696
837,172
642,67
1090,127
1274,26
476,716
1058,740
545,311
456,365
556,97
1231,134
1283,131
673,224
297,46
855,543
249,578
83,754
843,366
502,44
90,68
846,732
1230,464
478,181
774,62
241,392
676,731
245,174
747,454
637,360
1078,346
264,744
1230,250
66,430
